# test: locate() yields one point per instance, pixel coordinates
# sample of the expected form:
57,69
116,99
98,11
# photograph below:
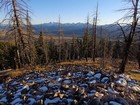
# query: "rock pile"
75,85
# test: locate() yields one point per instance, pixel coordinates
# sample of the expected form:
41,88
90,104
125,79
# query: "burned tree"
31,50
16,14
60,41
94,34
86,40
129,30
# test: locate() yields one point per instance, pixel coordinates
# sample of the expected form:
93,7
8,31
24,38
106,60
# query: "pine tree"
42,49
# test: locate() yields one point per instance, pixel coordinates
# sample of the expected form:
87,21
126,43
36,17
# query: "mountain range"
77,29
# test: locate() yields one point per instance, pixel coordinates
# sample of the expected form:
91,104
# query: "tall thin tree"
31,44
86,40
94,33
130,32
61,40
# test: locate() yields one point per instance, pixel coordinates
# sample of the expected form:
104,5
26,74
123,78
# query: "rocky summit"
71,85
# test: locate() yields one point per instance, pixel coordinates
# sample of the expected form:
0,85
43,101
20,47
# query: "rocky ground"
71,85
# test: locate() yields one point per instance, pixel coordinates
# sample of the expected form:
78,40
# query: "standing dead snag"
94,34
16,13
59,50
31,50
61,41
86,40
128,36
20,42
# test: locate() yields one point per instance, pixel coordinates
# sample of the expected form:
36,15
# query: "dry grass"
134,76
43,68
19,72
97,63
132,66
81,62
15,73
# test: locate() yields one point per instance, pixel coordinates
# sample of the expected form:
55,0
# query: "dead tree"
86,40
20,40
16,14
59,50
17,58
129,31
61,41
94,34
31,43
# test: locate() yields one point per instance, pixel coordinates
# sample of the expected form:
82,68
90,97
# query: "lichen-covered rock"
73,85
121,82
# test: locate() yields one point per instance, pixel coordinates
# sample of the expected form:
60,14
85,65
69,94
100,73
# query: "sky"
74,11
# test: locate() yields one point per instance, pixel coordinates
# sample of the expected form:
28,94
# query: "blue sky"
73,11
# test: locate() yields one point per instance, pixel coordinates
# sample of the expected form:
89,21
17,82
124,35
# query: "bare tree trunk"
129,38
31,49
20,42
125,57
17,58
59,50
86,40
94,33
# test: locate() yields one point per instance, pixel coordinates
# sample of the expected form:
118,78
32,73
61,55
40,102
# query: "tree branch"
122,31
